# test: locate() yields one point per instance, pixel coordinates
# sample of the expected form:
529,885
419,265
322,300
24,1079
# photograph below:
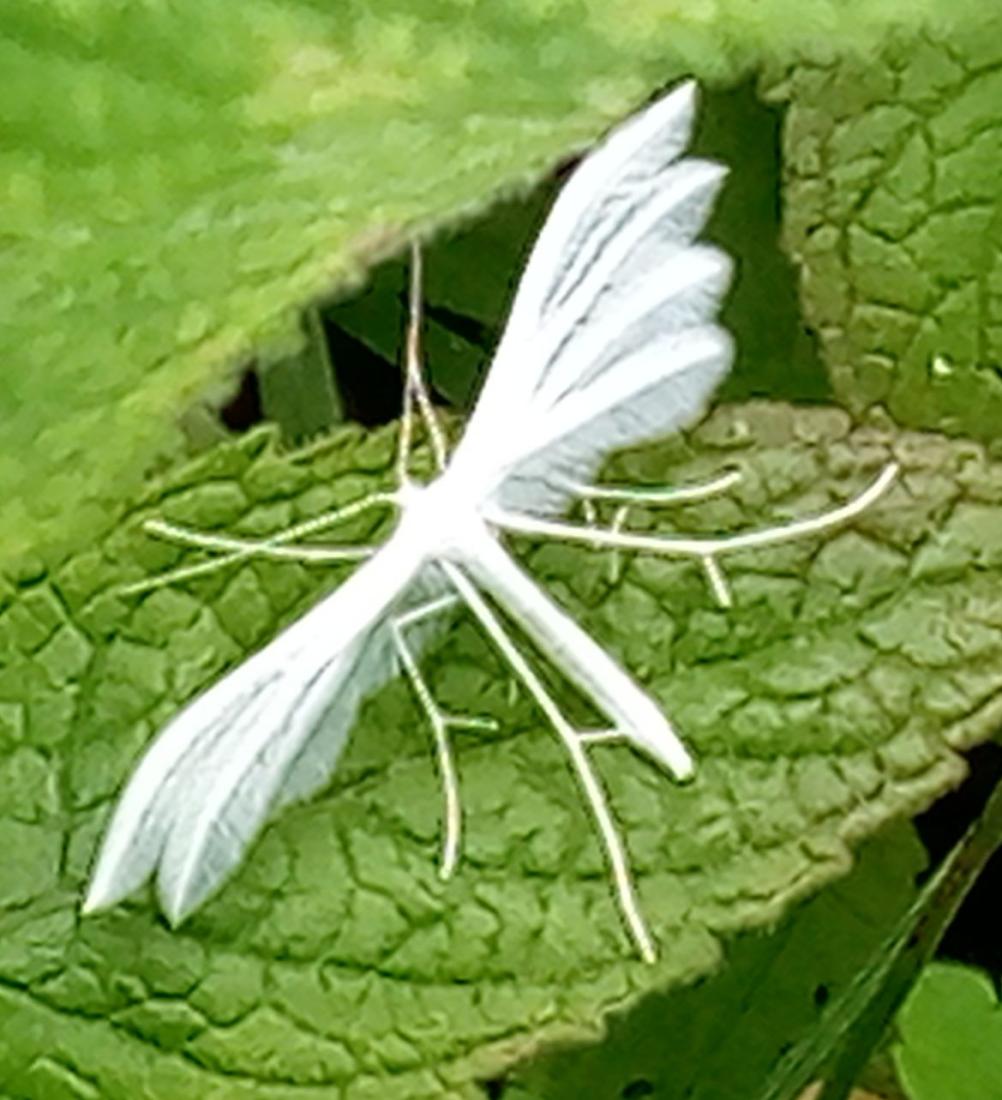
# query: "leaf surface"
833,698
719,1039
893,213
179,180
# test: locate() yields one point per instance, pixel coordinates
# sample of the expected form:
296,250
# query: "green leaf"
832,699
180,180
298,393
950,1029
892,212
719,1039
858,1018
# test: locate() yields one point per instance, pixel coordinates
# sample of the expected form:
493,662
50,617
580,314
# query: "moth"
612,340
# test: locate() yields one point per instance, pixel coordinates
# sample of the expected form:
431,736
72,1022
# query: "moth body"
612,340
441,519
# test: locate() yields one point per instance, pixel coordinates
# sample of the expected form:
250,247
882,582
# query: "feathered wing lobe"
612,338
271,730
581,659
606,190
237,783
665,384
135,837
612,180
655,274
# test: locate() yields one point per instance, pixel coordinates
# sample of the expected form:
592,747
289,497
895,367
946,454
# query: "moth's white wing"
582,660
135,837
238,782
205,786
605,189
618,325
642,401
652,278
311,769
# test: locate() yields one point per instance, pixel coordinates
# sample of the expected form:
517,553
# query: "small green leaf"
719,1039
841,1047
950,1029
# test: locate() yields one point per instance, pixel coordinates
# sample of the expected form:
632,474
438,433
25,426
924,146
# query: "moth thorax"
439,517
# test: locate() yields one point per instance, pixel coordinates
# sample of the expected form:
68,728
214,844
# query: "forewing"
204,787
135,837
610,184
612,338
286,752
238,782
311,769
683,297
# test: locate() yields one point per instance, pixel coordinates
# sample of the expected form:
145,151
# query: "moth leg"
659,495
279,546
416,393
705,550
440,723
602,737
265,548
575,744
652,497
616,556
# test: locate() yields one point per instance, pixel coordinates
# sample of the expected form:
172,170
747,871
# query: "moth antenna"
415,372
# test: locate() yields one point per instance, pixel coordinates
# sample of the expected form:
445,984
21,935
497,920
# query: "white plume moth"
612,340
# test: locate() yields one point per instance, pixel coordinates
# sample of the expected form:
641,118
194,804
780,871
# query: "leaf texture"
893,213
834,697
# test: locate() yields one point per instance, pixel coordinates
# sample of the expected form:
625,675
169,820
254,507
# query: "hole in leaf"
243,410
637,1089
369,385
776,355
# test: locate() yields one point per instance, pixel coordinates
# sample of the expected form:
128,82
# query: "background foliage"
950,1039
891,169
